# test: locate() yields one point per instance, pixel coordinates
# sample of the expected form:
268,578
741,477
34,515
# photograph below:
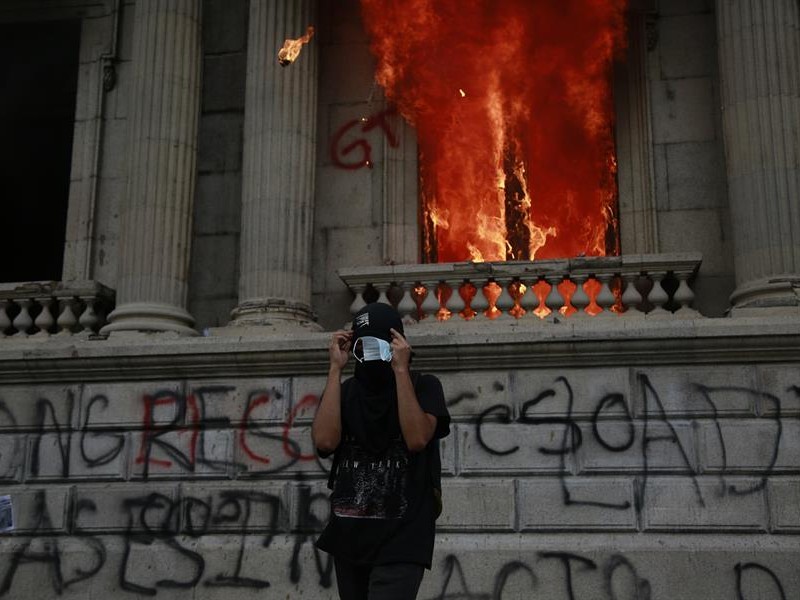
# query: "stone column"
278,170
156,217
759,55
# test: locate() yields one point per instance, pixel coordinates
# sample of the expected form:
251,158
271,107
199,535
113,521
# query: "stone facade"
578,466
610,458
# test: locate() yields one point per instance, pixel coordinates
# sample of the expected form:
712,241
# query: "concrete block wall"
689,155
214,269
349,192
662,482
113,169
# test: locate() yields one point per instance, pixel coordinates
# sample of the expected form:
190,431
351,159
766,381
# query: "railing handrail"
43,307
629,285
57,289
679,263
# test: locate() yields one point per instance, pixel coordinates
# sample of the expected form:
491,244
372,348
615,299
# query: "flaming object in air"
291,48
523,165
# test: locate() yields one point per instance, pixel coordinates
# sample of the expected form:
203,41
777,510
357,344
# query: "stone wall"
349,207
214,278
690,183
568,481
113,164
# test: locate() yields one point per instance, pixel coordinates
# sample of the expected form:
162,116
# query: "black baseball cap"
376,319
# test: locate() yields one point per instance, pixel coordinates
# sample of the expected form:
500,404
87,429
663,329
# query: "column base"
773,295
274,315
147,316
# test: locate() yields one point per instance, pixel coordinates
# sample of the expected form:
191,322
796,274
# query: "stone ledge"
603,342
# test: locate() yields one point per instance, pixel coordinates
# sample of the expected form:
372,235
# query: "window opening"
39,79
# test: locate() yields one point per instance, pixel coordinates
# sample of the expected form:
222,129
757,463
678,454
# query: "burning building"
586,211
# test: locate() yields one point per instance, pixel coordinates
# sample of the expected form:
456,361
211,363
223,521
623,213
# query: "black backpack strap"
334,467
335,463
434,461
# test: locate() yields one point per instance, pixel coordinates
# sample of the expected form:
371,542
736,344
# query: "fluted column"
759,55
278,169
156,217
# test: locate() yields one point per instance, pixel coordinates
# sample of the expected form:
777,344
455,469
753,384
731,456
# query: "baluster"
5,322
383,289
528,300
658,297
407,307
89,320
531,302
430,305
631,297
358,301
685,296
455,304
554,301
66,320
504,302
580,300
605,297
469,308
23,321
44,320
479,303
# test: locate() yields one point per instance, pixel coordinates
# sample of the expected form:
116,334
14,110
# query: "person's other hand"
401,351
339,350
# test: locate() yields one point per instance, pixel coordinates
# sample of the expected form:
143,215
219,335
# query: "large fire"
513,109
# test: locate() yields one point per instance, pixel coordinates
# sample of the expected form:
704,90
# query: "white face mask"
372,348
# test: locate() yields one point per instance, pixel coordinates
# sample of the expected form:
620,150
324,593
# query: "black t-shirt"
382,503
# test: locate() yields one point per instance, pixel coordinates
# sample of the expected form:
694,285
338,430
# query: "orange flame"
524,164
291,48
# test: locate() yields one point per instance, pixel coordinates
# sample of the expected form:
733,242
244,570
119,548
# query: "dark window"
38,85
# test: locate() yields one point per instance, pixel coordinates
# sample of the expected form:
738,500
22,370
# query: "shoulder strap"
334,467
335,463
434,461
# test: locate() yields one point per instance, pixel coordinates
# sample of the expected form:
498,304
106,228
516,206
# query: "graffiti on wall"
351,148
177,435
656,429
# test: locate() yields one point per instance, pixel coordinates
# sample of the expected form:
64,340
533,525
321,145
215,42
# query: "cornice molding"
439,347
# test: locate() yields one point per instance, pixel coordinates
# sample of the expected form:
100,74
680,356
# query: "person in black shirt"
383,427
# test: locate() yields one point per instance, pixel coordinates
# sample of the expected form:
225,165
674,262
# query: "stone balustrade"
44,308
651,285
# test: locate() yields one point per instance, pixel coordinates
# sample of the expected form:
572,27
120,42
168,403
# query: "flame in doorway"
513,107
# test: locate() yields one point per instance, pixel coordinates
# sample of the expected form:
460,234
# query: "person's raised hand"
339,350
401,351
